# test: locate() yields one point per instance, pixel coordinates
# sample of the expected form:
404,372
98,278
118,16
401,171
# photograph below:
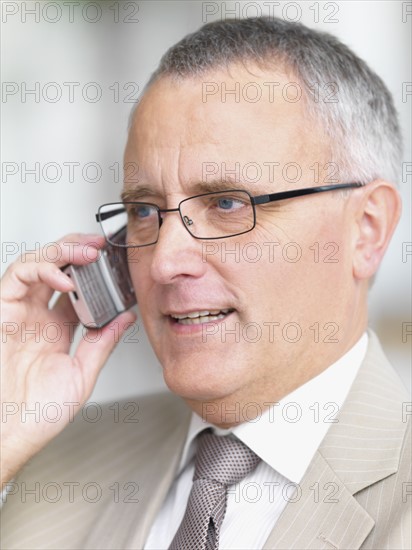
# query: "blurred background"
72,72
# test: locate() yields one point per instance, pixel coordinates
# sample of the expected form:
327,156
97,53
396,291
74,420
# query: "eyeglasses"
209,216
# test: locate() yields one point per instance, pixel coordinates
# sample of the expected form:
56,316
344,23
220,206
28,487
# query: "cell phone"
103,289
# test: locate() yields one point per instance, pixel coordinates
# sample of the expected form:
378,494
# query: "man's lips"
197,317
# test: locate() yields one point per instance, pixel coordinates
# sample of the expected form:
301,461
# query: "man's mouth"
199,317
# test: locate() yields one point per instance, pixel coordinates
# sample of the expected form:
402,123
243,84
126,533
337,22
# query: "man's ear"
378,213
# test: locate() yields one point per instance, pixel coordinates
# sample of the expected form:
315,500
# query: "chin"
200,383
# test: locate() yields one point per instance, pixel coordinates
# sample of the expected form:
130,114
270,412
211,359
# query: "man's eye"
142,211
227,203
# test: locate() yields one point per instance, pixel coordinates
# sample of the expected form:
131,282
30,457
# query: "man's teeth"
198,317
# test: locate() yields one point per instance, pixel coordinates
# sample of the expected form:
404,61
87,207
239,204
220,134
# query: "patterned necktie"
220,461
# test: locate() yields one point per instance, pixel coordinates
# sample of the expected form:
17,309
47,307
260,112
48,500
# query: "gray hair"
362,124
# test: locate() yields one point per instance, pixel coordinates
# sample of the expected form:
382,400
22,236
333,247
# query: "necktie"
220,461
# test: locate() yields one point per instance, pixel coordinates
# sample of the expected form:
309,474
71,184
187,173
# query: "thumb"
97,344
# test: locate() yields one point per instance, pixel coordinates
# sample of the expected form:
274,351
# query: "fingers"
94,350
76,248
22,275
19,279
79,249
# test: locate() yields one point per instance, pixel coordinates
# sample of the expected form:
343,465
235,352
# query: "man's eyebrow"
131,195
198,187
218,184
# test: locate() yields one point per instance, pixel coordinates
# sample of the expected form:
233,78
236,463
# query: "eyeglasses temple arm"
101,216
262,199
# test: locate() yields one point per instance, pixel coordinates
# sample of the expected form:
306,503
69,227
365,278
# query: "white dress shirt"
286,436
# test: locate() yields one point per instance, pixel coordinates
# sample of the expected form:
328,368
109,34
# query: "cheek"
299,259
139,268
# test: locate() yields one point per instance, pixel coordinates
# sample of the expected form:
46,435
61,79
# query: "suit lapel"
323,514
365,445
362,448
125,523
156,486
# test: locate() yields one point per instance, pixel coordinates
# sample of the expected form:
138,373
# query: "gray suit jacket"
101,482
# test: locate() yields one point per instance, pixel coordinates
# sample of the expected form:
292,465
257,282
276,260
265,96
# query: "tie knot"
223,458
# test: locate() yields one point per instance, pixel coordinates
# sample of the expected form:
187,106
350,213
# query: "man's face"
284,291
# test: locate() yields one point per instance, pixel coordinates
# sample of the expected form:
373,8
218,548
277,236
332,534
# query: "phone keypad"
94,290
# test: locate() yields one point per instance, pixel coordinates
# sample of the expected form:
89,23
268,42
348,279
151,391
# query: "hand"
37,369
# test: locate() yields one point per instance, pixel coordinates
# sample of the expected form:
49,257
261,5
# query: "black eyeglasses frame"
255,201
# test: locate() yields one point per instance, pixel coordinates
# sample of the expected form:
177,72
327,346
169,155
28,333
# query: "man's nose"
176,253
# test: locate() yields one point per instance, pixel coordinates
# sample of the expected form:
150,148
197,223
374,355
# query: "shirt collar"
288,433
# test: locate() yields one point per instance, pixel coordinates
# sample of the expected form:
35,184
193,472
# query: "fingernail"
65,278
93,253
94,235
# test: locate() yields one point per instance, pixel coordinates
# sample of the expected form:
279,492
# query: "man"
255,304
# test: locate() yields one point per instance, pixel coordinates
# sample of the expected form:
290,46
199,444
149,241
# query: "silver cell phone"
103,289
